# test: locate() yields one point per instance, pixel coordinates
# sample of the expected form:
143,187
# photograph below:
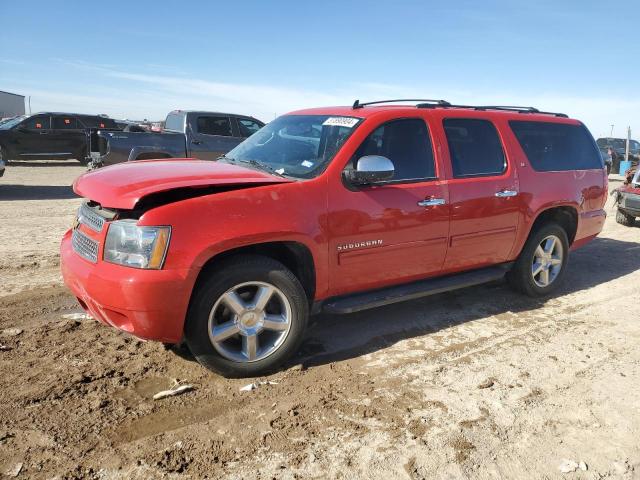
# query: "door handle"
431,202
196,142
44,132
506,193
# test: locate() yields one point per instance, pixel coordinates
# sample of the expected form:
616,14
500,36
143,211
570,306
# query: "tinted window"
96,122
174,122
557,146
37,122
406,143
474,147
214,126
248,127
59,122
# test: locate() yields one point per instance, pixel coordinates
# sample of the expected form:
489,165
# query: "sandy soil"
480,383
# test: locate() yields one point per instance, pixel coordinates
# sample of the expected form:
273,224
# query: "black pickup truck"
203,135
49,135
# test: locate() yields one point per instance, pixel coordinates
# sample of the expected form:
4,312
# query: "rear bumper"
150,304
590,224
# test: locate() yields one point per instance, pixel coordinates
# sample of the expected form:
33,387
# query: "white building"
11,104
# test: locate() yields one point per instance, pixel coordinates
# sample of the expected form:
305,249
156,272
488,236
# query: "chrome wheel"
250,321
547,261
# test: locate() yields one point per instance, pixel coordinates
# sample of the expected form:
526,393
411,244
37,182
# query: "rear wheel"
82,157
625,219
247,317
541,265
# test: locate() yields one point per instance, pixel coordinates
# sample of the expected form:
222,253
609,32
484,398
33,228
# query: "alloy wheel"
547,261
250,321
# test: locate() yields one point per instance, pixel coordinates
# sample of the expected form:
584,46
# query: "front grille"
84,246
91,219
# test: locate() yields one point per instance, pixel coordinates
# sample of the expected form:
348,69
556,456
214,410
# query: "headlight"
133,246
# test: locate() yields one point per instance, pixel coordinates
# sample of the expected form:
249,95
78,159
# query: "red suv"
333,209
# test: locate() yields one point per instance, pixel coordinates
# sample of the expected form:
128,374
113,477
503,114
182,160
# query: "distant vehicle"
49,135
619,146
628,197
203,135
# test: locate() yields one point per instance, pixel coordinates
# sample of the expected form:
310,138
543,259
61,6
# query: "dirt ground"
480,383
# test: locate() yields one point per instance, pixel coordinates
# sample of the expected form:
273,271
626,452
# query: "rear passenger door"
211,136
67,136
484,195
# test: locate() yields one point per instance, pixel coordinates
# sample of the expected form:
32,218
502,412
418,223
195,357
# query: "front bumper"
150,304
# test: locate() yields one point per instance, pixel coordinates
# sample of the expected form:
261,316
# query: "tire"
625,219
522,278
82,158
244,278
6,160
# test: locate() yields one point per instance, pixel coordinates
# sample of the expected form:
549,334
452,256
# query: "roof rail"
506,108
442,103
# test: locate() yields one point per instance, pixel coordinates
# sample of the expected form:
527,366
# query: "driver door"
396,231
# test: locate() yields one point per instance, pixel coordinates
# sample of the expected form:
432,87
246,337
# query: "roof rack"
442,103
504,108
445,104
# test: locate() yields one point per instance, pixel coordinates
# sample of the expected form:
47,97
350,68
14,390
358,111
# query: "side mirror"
371,169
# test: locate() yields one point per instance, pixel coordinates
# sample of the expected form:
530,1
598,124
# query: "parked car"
628,199
203,135
331,210
49,135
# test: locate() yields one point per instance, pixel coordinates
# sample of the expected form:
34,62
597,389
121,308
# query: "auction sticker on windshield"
348,122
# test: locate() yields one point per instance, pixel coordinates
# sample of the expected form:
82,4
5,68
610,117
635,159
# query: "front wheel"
541,265
247,317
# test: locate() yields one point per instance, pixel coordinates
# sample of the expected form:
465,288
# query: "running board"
409,291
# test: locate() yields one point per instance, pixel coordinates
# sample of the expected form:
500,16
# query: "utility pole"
611,136
626,151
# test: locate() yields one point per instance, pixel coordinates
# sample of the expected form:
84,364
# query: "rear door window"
557,146
406,143
96,122
474,147
64,122
214,126
37,122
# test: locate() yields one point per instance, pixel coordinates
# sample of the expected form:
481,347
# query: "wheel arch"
564,215
294,255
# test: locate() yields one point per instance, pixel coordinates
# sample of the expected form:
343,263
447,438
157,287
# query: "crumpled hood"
122,186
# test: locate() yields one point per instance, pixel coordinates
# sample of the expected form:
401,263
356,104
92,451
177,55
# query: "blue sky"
141,59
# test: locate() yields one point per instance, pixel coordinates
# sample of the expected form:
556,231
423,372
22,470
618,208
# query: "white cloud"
124,94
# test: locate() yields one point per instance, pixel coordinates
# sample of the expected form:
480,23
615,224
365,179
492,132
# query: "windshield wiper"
228,159
264,167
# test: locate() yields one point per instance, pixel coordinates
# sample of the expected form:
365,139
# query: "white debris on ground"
173,391
77,316
11,332
253,386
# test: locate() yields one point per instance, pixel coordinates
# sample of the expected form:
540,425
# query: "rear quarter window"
552,147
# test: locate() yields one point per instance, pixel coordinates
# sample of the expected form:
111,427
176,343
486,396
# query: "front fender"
137,151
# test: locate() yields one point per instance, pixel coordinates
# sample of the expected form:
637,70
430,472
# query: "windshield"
299,146
10,123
